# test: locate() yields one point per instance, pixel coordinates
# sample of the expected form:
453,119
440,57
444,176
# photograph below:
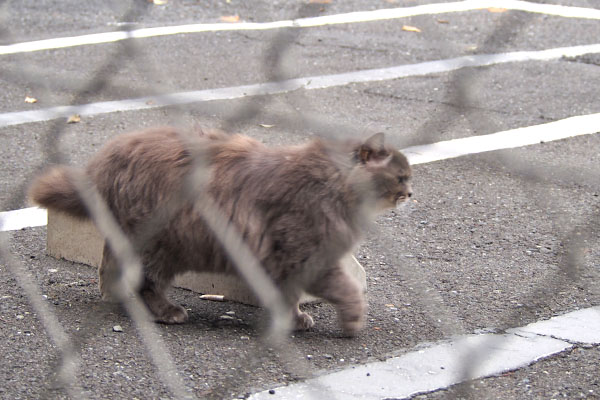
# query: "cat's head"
388,171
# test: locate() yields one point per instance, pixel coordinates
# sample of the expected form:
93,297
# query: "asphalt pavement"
491,241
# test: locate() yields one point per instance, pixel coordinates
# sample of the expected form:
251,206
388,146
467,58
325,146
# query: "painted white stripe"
308,83
582,326
561,129
352,17
24,218
442,365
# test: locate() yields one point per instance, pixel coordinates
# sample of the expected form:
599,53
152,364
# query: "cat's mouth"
401,197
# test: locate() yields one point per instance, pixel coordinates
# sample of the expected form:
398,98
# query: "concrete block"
73,239
78,240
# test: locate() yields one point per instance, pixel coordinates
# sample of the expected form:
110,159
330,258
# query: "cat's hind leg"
163,310
153,294
108,275
301,320
344,292
158,275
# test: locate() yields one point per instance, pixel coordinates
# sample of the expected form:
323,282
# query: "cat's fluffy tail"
56,190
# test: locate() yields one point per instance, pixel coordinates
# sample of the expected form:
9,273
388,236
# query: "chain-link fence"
573,266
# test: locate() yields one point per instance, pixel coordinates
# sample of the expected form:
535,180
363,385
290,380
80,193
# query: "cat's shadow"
94,317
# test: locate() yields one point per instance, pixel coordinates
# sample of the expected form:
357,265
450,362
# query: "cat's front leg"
345,293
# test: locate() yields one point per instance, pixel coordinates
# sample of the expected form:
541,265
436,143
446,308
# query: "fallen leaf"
266,125
30,100
391,1
497,10
230,18
319,1
73,119
390,305
443,21
409,28
158,2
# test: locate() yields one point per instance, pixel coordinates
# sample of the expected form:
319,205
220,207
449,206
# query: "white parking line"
307,83
442,365
561,129
352,17
427,368
23,218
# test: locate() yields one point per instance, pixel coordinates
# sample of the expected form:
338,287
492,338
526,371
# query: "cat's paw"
108,291
304,322
173,314
352,328
109,297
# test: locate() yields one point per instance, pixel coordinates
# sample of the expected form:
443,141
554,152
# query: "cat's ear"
372,148
382,162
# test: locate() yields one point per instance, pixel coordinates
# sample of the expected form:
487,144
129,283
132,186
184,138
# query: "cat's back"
303,178
147,146
134,172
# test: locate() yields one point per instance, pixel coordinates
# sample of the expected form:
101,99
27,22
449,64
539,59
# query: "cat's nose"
409,194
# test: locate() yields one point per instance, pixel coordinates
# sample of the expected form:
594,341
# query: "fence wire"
275,340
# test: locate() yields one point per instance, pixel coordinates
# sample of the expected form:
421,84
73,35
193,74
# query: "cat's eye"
402,179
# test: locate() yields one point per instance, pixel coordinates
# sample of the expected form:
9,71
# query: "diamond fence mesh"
536,181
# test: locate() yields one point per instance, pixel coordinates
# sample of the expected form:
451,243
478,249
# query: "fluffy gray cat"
300,209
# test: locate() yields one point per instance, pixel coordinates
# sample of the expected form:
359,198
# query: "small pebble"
226,317
230,313
20,316
309,357
245,337
117,328
271,391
